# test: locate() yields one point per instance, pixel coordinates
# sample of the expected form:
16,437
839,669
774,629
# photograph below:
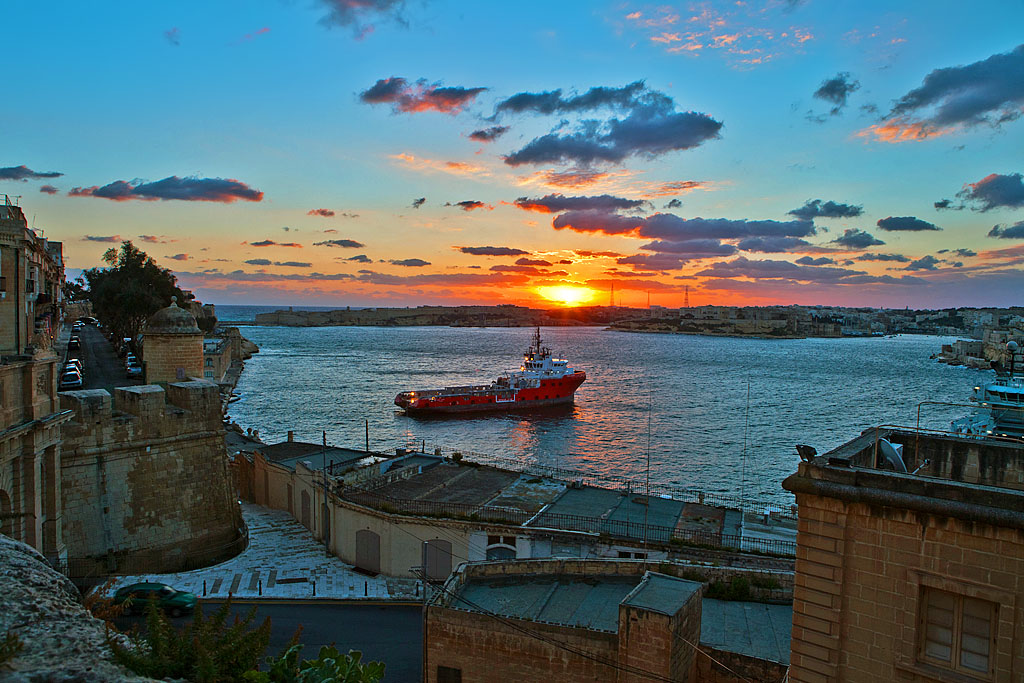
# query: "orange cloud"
459,168
898,130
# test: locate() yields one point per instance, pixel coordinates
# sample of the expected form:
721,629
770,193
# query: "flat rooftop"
290,453
749,628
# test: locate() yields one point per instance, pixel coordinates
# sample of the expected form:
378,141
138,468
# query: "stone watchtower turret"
172,345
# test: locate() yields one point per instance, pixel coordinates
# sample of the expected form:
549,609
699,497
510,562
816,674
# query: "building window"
957,632
448,674
209,362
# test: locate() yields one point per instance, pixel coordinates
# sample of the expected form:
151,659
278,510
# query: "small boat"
1000,402
541,381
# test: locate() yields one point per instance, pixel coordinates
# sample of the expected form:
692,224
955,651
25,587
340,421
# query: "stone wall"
172,357
487,649
861,568
718,666
60,640
146,486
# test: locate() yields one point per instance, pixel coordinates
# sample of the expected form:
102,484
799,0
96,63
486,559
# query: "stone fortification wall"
146,486
172,357
60,640
494,316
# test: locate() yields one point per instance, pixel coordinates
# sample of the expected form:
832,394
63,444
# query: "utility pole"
326,510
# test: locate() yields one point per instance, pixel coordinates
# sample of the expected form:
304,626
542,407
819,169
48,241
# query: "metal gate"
437,559
368,551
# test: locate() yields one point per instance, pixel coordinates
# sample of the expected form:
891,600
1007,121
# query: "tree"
130,289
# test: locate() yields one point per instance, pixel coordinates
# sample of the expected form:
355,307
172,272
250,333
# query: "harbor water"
717,414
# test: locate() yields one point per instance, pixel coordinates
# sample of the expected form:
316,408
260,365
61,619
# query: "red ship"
541,381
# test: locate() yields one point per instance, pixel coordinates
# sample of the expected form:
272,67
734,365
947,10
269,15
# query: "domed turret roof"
172,320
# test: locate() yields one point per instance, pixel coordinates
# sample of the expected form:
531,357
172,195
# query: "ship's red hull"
551,392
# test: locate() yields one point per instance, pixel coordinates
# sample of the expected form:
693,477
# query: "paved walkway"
283,561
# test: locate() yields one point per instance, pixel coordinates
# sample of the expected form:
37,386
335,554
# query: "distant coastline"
450,316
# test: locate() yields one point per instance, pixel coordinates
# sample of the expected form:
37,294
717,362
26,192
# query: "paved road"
386,633
102,369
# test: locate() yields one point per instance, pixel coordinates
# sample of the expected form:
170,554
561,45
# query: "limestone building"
915,576
172,346
31,271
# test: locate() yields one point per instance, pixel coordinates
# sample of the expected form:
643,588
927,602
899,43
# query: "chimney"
291,435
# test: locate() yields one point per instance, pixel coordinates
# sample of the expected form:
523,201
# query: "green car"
136,597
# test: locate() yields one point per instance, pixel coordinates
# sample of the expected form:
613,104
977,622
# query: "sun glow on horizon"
566,295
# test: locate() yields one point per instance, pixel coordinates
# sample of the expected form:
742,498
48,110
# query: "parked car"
71,367
74,343
134,371
76,363
130,360
70,380
136,596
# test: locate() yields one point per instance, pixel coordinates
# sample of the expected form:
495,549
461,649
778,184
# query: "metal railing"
612,529
610,481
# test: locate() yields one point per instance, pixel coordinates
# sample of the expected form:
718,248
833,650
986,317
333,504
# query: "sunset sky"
389,153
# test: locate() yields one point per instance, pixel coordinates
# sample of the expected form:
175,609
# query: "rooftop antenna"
611,296
686,297
648,298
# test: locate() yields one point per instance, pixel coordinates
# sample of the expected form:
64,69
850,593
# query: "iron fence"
623,530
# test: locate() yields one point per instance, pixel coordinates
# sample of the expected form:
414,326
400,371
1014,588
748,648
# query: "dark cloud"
325,213
488,134
905,224
774,270
587,253
419,97
155,239
811,261
360,258
771,245
173,36
179,257
102,238
655,262
272,243
410,262
523,270
24,173
995,191
565,262
288,264
927,262
469,205
192,188
691,248
344,244
417,203
48,189
836,91
357,13
650,126
899,258
673,204
671,227
988,91
534,262
492,251
855,238
945,204
556,203
1013,232
817,208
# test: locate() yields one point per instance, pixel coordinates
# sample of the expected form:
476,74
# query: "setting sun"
567,295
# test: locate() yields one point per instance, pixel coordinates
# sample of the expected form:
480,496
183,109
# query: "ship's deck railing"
610,530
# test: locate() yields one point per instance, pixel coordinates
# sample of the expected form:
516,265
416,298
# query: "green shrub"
736,588
330,665
205,650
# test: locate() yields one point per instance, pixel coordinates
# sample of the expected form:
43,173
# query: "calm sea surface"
683,397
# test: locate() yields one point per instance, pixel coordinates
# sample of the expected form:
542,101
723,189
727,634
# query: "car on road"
130,360
133,371
74,343
70,380
77,363
136,596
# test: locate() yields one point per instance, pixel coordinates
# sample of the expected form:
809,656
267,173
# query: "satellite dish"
893,454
